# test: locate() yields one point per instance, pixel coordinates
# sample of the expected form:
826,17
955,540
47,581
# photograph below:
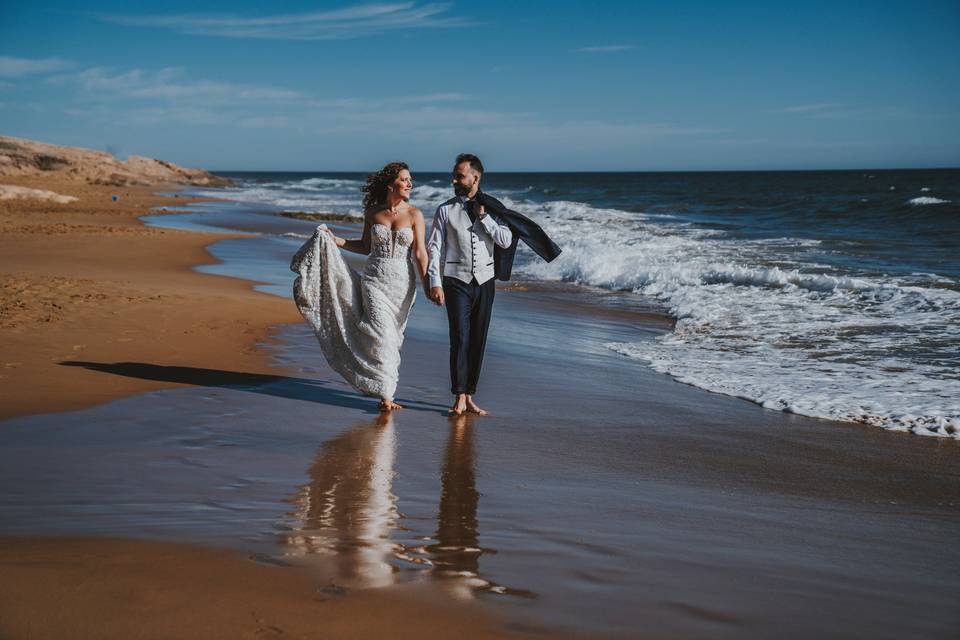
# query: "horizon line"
569,171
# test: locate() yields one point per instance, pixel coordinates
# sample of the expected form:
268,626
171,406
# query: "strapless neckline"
380,224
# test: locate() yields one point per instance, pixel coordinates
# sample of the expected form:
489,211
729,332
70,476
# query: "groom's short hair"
474,161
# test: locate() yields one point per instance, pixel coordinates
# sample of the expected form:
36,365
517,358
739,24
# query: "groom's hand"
436,294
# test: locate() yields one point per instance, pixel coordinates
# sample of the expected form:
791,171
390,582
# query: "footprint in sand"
263,629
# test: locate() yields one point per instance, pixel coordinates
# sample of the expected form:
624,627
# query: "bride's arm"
362,245
420,248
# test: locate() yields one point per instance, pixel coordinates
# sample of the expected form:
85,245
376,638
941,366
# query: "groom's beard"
461,190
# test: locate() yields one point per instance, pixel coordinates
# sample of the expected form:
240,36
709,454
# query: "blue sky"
588,86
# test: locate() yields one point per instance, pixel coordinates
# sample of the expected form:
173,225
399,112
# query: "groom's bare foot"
473,408
459,405
389,405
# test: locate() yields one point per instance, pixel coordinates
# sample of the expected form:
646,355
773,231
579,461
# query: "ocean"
831,294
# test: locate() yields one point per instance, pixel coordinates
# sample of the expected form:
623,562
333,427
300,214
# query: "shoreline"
75,283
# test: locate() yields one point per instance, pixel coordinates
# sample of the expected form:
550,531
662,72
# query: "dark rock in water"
333,590
267,559
324,217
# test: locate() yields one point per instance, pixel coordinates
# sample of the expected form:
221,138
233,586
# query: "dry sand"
87,278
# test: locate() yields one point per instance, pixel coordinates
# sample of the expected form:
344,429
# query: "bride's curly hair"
376,187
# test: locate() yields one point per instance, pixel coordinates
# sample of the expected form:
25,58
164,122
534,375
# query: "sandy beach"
174,439
87,276
105,588
83,276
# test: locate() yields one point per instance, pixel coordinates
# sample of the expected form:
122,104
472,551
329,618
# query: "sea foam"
807,339
926,200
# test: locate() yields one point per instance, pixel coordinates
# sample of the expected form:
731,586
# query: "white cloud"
427,122
147,98
339,24
832,111
428,118
395,101
806,108
786,144
276,122
18,67
168,84
431,97
184,115
609,48
592,134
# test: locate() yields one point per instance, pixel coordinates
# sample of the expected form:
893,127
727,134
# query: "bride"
359,319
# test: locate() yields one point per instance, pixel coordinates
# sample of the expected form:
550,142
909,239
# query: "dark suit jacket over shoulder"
523,228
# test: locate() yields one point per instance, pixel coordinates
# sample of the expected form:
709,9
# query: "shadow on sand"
272,385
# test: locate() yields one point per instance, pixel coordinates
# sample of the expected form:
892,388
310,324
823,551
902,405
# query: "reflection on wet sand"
348,510
456,552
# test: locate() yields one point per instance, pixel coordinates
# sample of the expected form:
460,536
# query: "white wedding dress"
359,319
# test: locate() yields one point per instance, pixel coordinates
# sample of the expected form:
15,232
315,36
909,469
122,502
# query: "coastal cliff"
29,158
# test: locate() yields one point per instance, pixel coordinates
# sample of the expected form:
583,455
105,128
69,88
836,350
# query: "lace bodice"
390,243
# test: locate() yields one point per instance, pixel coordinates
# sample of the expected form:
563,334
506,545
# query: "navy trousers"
468,314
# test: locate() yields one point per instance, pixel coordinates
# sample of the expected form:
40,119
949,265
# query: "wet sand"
118,588
599,499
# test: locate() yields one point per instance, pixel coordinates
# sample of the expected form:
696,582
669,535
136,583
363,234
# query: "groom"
472,241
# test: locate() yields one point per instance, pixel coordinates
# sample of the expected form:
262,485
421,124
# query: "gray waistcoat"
469,247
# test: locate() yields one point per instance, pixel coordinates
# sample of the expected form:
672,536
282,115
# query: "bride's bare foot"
473,408
389,405
459,406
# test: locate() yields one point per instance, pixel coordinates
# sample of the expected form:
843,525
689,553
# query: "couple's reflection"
348,509
456,552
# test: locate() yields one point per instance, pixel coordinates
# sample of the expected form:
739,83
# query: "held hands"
436,295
